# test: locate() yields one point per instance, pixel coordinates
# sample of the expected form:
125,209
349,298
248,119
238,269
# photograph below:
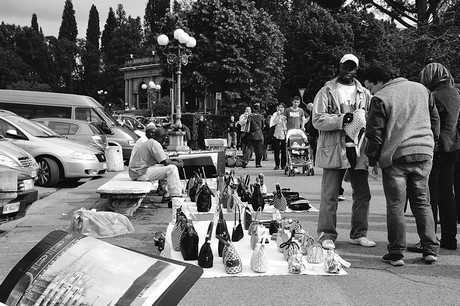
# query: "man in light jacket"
333,108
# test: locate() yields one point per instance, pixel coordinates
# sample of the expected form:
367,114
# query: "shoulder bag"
162,247
257,200
237,233
279,201
230,257
205,256
189,242
259,261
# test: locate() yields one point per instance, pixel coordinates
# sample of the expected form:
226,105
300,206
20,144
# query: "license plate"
11,208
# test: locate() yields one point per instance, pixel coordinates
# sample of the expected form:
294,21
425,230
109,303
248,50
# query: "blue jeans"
331,183
412,178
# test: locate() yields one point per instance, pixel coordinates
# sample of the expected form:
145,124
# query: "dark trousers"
457,186
279,148
442,197
255,146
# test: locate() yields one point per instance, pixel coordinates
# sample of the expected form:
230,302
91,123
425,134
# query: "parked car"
13,205
133,123
79,130
58,158
35,104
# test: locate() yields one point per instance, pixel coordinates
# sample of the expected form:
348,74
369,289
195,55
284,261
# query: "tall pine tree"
34,23
91,54
68,27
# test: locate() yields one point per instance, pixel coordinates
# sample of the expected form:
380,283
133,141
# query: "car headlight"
81,155
6,161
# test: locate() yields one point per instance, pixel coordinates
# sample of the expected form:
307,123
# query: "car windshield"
34,128
111,122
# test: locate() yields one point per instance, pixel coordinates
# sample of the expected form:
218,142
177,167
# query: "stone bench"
124,194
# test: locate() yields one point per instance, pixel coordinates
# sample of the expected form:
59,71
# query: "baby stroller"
298,153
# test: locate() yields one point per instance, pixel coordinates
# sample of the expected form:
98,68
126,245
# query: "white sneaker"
341,198
328,244
363,241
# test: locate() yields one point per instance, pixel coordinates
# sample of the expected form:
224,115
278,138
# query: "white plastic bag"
100,224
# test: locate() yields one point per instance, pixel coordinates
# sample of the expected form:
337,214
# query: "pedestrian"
278,122
295,116
202,132
402,129
439,81
150,163
255,136
243,121
267,137
311,131
231,133
336,153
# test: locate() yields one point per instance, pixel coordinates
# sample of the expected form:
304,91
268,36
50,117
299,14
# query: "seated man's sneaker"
328,244
393,259
363,241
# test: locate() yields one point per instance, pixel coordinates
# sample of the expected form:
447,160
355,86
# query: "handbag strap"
237,207
247,180
257,215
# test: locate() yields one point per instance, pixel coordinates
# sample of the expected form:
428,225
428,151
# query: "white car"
58,158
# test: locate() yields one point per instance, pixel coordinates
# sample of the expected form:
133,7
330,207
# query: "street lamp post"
102,94
152,89
185,43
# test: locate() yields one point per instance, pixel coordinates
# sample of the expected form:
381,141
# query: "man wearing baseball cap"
333,108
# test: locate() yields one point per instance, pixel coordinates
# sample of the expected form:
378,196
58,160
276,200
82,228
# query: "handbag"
259,232
279,201
282,237
254,223
299,203
247,217
259,261
189,242
295,263
221,226
162,247
234,200
237,233
289,247
205,256
230,257
204,198
191,186
194,189
275,222
178,228
257,199
246,194
305,243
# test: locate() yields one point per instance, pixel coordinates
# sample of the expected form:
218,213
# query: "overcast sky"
49,12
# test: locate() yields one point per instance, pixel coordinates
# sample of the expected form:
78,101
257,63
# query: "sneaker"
340,197
258,166
430,259
328,244
416,248
393,259
276,168
363,241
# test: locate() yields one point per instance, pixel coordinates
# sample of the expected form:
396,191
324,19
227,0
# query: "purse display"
189,242
279,201
230,257
295,263
281,237
246,194
204,198
254,223
238,232
315,253
205,256
275,222
162,247
289,247
221,226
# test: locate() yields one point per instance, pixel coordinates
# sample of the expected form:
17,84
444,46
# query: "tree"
154,11
239,52
125,39
68,27
34,23
410,13
91,54
109,27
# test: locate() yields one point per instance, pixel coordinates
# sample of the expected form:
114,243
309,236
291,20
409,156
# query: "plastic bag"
99,224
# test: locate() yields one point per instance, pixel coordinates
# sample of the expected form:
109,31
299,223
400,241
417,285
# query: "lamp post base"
176,142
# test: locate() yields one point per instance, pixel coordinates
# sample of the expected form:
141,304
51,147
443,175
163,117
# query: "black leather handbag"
246,194
237,233
257,200
204,198
189,242
205,256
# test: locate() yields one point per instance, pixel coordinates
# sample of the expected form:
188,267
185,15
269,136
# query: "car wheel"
48,172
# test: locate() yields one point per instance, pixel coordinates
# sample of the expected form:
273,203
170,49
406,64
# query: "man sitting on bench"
150,163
